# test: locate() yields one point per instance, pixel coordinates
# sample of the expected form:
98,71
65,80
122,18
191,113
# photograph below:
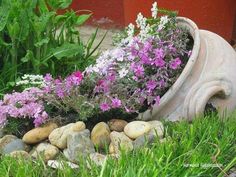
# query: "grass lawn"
206,147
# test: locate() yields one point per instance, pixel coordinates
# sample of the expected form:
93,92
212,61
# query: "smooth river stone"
120,142
45,150
58,136
136,128
39,134
117,125
100,135
157,128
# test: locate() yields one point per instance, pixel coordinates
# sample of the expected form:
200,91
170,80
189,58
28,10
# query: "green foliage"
18,127
35,39
205,147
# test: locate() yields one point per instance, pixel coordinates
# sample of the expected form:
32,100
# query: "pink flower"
111,77
48,77
78,77
59,91
47,89
26,104
159,53
144,57
151,85
68,84
102,86
78,74
40,118
174,64
105,107
138,69
58,81
116,103
159,62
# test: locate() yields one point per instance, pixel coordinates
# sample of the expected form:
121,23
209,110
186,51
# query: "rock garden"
153,105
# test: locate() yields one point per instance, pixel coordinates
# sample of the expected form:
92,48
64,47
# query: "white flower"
164,20
123,72
141,21
154,10
144,33
130,30
22,82
117,54
30,79
102,63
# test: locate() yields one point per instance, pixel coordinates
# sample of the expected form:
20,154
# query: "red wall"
105,12
214,15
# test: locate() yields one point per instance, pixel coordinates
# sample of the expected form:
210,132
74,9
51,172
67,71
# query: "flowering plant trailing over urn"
132,77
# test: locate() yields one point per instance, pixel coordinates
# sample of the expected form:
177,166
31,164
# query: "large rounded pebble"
100,135
117,125
58,137
79,144
121,142
136,128
10,143
45,150
157,128
39,134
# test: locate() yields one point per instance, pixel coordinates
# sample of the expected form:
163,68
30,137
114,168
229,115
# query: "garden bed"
88,115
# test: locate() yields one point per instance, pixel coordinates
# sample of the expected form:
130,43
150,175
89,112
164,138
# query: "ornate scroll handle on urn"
201,92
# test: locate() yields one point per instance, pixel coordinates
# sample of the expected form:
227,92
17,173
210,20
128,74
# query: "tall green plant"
34,38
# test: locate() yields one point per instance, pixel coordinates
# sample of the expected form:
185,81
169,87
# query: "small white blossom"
30,79
144,33
123,72
102,63
130,30
141,21
154,10
118,54
22,82
164,20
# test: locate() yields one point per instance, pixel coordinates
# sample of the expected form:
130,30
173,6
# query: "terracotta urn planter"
208,77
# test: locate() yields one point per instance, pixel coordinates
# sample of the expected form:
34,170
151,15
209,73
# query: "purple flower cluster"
141,75
25,104
60,87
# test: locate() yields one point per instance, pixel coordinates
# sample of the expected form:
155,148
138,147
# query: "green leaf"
41,42
29,56
65,4
4,13
24,25
40,23
42,6
67,50
60,18
91,42
12,84
59,4
14,29
82,19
